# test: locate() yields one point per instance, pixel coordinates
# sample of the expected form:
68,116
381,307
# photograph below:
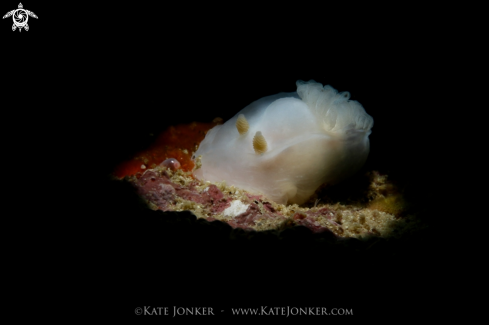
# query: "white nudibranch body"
285,146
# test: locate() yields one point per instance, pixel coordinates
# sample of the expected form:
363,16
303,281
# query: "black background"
84,93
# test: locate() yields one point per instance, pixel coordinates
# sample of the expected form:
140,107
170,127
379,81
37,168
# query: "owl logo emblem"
20,17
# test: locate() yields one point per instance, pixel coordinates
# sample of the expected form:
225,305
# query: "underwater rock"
167,190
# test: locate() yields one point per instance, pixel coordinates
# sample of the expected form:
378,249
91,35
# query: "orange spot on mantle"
171,143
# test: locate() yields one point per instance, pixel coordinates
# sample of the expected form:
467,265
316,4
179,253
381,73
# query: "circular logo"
20,17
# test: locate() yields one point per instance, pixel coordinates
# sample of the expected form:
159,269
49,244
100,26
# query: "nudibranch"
286,145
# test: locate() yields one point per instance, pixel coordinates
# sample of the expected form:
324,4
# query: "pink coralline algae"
309,220
161,190
166,189
164,192
157,188
254,215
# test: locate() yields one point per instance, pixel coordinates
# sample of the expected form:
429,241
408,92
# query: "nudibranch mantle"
286,145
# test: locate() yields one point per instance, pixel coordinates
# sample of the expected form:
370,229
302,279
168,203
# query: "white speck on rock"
236,208
143,167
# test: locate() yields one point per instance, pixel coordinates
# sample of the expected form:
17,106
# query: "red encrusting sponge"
178,142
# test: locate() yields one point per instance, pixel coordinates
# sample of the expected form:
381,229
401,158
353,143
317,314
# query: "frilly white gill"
286,145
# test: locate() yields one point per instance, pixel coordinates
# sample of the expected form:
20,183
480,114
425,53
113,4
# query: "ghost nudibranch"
285,146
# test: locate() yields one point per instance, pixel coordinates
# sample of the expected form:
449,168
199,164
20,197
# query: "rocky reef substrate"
375,208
